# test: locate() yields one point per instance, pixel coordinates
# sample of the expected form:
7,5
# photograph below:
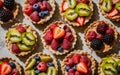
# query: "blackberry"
96,44
108,38
6,15
9,4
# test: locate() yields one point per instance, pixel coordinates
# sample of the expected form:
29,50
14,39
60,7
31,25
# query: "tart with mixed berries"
21,39
78,63
59,38
9,66
39,11
100,36
110,65
41,64
76,12
110,9
8,11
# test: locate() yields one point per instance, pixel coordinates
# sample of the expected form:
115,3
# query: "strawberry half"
64,6
80,21
113,12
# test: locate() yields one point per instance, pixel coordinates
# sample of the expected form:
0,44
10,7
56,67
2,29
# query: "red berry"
48,6
66,44
69,62
86,60
20,28
89,72
54,44
31,2
34,16
102,27
99,36
14,72
1,4
71,72
53,26
91,35
42,5
77,73
67,29
69,36
42,66
28,10
76,58
15,48
110,31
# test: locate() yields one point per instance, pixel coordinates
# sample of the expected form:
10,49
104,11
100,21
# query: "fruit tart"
39,11
9,66
110,65
8,11
59,38
41,64
78,62
110,9
100,36
76,12
21,39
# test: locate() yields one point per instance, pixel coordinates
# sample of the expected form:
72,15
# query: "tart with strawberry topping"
21,39
110,65
41,64
8,11
9,66
39,11
110,9
59,38
78,62
100,36
76,12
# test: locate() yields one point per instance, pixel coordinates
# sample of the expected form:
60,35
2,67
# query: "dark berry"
102,27
36,7
37,62
60,49
35,67
41,14
118,69
46,12
74,67
9,4
1,4
50,64
96,44
37,72
12,65
67,68
37,58
108,38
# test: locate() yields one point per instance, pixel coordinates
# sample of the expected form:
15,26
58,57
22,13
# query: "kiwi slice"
24,47
83,9
32,72
71,14
31,64
28,38
107,5
71,3
46,58
51,71
117,6
42,73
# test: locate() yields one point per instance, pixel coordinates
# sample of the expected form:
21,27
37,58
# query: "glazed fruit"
91,35
107,5
113,13
71,3
23,47
117,6
9,4
52,71
108,38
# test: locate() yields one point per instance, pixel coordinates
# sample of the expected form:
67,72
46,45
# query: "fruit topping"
83,1
34,16
108,38
67,68
15,48
60,49
69,62
23,47
71,72
42,66
99,36
102,27
86,60
74,67
31,64
1,4
48,6
117,6
107,5
110,31
31,2
9,4
113,12
50,64
69,36
42,73
20,28
32,72
46,58
37,58
81,21
51,71
71,3
91,35
14,72
66,44
64,6
115,1
36,7
53,26
42,5
76,58
28,10
12,65
82,67
54,44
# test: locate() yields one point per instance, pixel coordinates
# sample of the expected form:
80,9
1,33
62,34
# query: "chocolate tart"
93,27
81,52
49,47
74,23
28,29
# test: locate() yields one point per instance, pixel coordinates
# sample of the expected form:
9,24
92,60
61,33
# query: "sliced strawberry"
115,1
76,58
20,28
42,5
58,32
64,6
69,62
53,26
86,60
81,21
113,12
82,67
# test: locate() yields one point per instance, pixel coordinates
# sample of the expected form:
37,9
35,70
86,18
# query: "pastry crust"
46,18
12,60
114,18
39,54
115,56
93,26
81,52
49,47
28,29
73,22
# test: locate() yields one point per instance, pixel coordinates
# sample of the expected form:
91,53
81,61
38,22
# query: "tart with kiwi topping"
100,36
110,9
110,65
8,66
39,11
41,64
8,11
76,12
78,62
21,39
59,38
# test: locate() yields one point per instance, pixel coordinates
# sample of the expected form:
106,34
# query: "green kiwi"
117,6
31,64
71,3
42,73
46,58
32,72
24,47
107,5
51,71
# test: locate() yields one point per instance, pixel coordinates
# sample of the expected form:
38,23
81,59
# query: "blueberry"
60,49
37,72
74,67
118,69
12,65
41,14
35,67
37,62
37,58
67,68
36,6
50,64
46,12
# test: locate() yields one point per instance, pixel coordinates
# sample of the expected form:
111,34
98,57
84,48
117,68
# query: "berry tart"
59,38
110,65
110,9
39,11
41,64
100,36
78,62
21,39
76,12
9,66
8,11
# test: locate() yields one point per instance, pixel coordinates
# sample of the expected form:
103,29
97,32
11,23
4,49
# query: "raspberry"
109,31
76,58
6,15
42,5
108,38
20,28
42,66
69,62
91,35
67,29
15,48
77,73
54,44
102,27
34,16
69,36
1,4
66,44
31,2
48,6
96,44
86,60
9,4
14,72
28,10
99,36
71,72
53,26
